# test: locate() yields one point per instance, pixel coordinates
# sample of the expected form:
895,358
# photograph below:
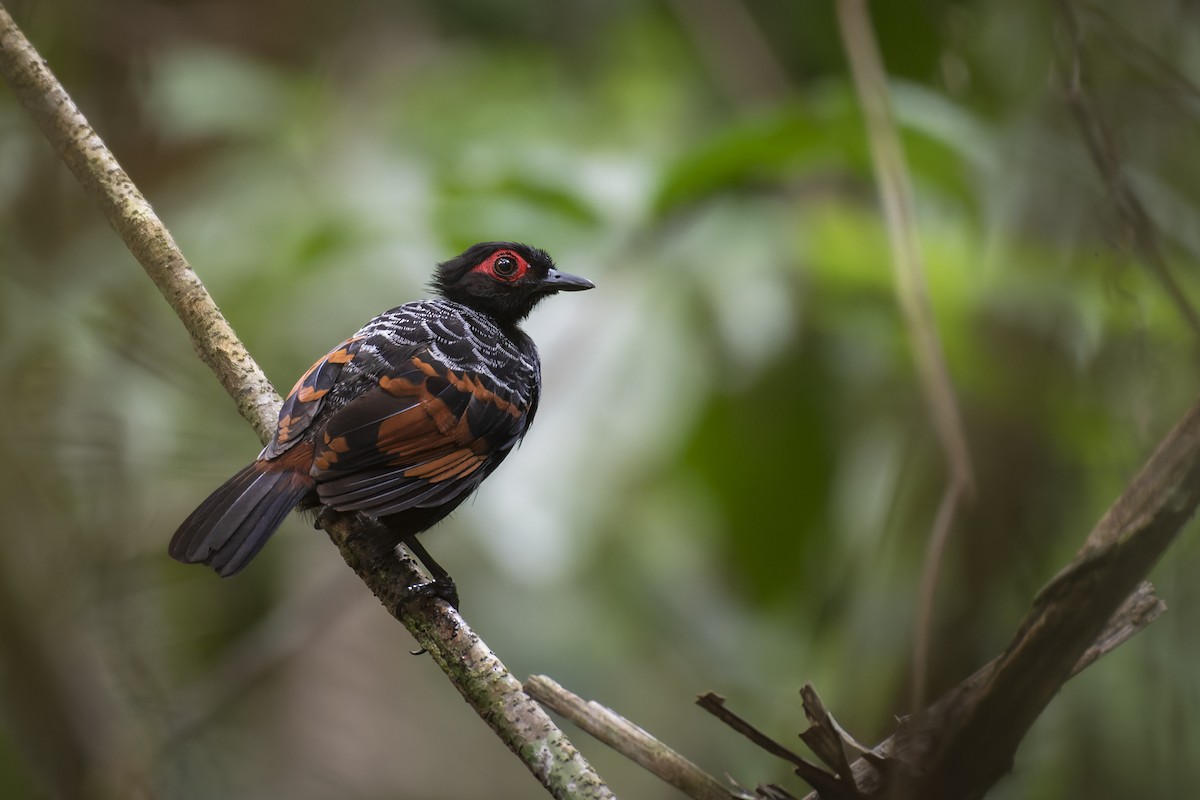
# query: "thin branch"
1106,156
631,741
107,184
952,497
828,785
896,195
473,669
715,704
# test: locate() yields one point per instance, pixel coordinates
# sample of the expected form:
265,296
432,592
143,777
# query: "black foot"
442,585
442,588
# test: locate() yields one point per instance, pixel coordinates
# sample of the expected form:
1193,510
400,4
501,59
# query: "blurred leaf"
761,151
199,92
770,149
764,456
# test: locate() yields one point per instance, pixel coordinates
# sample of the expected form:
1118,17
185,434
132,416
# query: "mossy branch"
126,209
475,671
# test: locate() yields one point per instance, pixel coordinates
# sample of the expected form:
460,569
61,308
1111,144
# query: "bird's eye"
505,266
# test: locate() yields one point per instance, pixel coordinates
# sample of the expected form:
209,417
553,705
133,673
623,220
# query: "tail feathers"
233,524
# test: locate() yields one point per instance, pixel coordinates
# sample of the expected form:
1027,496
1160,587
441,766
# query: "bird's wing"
308,395
424,436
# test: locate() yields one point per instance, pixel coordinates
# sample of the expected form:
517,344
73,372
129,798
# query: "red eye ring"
505,265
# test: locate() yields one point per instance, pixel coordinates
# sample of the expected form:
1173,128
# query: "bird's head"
503,279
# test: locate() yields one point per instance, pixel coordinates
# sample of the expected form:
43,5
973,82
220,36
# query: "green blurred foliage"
734,474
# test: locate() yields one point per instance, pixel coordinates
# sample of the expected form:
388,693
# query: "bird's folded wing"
425,435
307,396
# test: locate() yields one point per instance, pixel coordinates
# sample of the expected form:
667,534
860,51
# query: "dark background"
733,475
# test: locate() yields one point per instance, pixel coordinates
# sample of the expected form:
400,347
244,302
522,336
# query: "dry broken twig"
964,742
831,785
631,741
893,768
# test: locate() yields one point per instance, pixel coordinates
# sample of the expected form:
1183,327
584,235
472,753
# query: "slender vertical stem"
912,291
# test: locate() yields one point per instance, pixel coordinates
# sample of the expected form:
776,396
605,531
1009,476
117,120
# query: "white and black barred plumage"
403,420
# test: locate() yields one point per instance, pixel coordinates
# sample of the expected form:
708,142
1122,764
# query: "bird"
402,421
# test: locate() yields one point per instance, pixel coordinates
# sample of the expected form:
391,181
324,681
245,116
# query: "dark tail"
233,524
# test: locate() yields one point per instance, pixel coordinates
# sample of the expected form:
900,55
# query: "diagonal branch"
632,742
914,744
475,671
1072,610
965,741
107,184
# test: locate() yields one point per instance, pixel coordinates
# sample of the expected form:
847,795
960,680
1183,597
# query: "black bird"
403,420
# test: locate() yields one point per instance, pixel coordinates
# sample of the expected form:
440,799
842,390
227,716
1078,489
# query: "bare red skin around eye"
488,267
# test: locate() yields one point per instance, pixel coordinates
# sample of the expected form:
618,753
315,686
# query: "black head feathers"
504,280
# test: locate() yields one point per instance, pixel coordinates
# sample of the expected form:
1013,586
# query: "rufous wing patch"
326,456
425,426
304,400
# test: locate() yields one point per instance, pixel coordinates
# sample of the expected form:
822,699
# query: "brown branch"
911,748
958,747
966,741
830,786
912,290
1071,612
715,704
890,769
894,768
473,669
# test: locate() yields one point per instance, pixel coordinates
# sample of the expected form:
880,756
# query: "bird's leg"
442,585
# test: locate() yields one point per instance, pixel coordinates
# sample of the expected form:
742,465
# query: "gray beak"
556,281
